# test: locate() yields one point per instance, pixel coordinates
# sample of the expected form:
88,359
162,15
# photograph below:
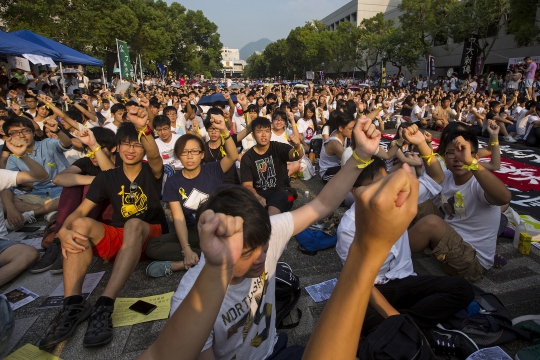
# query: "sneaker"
509,139
100,327
47,260
529,353
529,323
28,217
450,342
64,324
58,266
159,269
50,217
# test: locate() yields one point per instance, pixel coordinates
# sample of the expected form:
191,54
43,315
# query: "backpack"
319,236
487,329
397,337
287,295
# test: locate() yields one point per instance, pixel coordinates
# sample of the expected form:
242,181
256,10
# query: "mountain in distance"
253,46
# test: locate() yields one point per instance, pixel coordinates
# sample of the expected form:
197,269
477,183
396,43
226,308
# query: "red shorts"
113,239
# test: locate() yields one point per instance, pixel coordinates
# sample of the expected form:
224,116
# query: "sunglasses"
132,191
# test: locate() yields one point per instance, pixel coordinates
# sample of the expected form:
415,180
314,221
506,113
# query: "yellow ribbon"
141,133
363,164
124,100
19,156
92,154
51,164
295,153
460,201
428,157
472,167
286,136
222,152
182,193
47,106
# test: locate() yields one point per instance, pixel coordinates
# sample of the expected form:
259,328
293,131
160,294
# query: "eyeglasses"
134,145
452,155
191,152
20,132
132,191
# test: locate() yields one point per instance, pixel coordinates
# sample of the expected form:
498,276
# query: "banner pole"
119,62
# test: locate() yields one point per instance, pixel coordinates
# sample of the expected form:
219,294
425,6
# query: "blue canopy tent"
66,54
13,45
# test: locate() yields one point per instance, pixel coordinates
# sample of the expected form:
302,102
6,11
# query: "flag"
430,66
161,69
469,56
124,62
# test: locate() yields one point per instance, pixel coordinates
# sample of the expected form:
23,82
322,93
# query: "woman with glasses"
184,192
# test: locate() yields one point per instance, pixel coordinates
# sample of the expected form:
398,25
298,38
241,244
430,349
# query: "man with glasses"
134,192
41,198
31,102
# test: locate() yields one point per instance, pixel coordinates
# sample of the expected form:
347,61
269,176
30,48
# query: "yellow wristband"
472,167
428,157
495,143
363,164
295,125
92,154
19,156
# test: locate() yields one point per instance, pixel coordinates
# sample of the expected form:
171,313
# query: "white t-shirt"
471,118
283,138
398,263
471,216
8,179
521,123
307,129
248,142
166,151
111,126
107,115
247,315
416,109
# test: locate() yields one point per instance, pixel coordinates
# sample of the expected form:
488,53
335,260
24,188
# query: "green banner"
126,69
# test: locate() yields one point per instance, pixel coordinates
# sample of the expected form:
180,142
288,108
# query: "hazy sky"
242,21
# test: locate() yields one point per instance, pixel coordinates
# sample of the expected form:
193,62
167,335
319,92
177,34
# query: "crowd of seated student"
107,204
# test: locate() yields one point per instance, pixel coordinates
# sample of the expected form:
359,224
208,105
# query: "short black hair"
238,201
126,132
161,120
271,96
169,108
180,144
117,107
280,114
252,108
260,122
17,121
370,171
75,115
104,137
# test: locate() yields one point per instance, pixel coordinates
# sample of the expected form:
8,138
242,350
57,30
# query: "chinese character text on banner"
126,69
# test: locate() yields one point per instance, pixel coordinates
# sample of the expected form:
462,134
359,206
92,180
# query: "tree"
371,35
483,17
345,47
275,54
522,22
402,49
257,66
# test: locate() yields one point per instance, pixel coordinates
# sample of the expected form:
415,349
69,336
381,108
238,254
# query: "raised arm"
383,211
35,172
186,332
367,141
52,125
230,147
72,177
86,136
433,168
139,118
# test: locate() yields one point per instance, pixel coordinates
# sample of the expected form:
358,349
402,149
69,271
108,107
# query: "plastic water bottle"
306,195
473,309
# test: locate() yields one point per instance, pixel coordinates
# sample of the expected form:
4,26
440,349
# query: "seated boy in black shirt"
100,147
134,192
263,169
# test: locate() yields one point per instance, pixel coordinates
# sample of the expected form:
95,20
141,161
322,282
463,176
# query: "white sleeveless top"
326,162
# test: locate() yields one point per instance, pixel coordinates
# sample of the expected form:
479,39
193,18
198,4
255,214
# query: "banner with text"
469,56
126,69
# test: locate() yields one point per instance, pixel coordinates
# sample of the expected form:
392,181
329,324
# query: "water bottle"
306,196
473,309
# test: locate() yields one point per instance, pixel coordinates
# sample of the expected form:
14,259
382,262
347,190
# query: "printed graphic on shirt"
250,315
309,132
195,199
267,173
134,201
454,205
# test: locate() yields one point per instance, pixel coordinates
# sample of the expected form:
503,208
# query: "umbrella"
220,84
196,85
237,87
258,82
212,99
353,87
70,71
300,86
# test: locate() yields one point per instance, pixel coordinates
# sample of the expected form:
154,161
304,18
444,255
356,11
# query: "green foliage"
522,22
257,67
186,41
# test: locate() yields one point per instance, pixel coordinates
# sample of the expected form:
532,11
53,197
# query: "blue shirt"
49,153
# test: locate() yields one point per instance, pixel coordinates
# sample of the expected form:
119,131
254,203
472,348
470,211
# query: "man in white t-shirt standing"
15,257
245,327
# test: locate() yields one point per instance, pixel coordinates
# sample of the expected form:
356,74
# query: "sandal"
499,261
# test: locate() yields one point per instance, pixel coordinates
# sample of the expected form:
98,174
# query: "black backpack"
287,295
397,337
487,329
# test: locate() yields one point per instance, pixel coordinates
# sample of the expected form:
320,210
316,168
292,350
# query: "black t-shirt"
87,168
143,202
268,170
211,155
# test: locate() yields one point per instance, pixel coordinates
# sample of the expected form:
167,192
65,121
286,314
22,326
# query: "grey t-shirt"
245,326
